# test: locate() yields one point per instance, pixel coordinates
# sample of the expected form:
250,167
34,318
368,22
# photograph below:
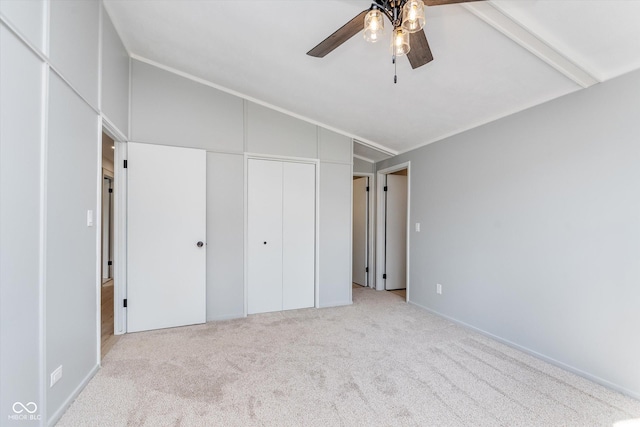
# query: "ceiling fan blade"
441,2
420,53
343,34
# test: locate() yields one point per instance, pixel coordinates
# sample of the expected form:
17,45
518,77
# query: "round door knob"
265,243
200,244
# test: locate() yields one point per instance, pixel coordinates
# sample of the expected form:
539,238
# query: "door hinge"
385,188
124,303
125,164
110,263
384,276
111,190
366,269
367,188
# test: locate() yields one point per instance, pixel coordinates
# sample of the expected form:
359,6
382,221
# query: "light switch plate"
89,218
417,227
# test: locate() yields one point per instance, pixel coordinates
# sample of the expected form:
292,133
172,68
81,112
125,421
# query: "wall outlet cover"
56,375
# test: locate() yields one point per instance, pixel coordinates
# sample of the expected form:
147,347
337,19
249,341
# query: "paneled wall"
50,127
167,108
115,77
171,110
54,98
21,73
362,166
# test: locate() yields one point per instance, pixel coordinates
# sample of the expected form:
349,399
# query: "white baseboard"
336,304
60,412
225,317
579,372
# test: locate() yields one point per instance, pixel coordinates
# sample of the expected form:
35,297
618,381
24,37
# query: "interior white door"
360,213
396,232
298,235
264,236
107,229
166,264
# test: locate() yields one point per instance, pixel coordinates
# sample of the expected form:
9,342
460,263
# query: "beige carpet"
380,362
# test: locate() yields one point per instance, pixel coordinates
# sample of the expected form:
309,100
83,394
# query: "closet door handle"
199,244
265,243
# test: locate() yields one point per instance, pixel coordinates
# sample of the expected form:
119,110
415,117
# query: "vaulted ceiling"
492,58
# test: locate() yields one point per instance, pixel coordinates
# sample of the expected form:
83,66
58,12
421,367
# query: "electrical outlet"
56,375
438,289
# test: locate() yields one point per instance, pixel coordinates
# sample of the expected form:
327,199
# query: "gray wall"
225,236
172,110
73,44
20,226
532,226
115,76
70,271
49,178
362,166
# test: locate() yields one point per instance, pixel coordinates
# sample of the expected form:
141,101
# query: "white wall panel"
225,236
272,132
115,76
335,234
27,17
20,174
172,110
74,34
334,147
71,270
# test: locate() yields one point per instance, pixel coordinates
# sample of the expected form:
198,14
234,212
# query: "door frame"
380,225
371,240
106,174
119,232
316,277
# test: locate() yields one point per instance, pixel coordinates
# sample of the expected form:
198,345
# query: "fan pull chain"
395,68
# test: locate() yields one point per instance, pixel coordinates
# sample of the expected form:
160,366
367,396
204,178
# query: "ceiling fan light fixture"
413,16
400,42
373,25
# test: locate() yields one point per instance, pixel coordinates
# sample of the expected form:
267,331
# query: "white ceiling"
492,59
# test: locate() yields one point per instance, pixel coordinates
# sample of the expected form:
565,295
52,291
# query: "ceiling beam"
495,16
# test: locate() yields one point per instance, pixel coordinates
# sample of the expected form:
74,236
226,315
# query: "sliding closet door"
264,236
298,219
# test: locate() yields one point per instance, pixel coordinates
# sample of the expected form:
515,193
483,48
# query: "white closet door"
298,246
166,220
396,233
264,236
359,257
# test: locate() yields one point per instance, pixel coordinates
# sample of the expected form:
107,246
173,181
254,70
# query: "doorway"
362,231
393,230
107,336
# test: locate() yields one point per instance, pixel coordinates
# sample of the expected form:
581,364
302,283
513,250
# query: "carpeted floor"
379,362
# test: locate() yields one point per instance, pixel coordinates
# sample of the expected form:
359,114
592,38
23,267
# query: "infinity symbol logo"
19,407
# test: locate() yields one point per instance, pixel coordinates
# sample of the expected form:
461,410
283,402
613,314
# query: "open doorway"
393,230
107,337
360,231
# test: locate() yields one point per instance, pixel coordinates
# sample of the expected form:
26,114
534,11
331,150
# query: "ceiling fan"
407,19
